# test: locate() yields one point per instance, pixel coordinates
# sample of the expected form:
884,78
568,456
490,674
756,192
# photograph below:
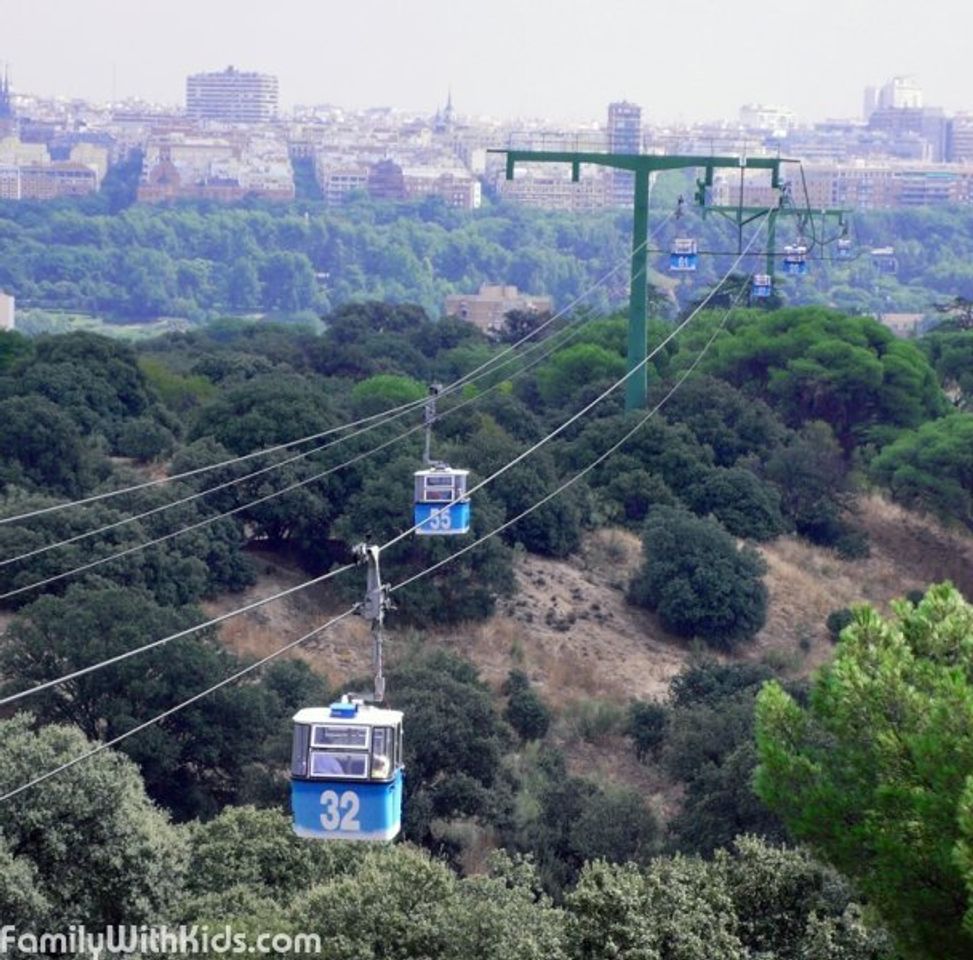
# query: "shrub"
647,723
698,580
837,621
525,711
594,720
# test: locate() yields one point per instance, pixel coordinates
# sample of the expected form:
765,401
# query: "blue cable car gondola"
844,248
683,254
883,259
762,285
347,772
795,260
442,508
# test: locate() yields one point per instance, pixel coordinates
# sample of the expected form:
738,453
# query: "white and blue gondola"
347,772
442,508
884,260
795,260
762,285
683,254
844,248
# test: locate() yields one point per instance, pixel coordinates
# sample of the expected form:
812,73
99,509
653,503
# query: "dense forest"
795,835
106,257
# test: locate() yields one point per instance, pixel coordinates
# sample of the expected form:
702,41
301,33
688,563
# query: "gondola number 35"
340,811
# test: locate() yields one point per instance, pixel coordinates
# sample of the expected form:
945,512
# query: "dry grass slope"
570,629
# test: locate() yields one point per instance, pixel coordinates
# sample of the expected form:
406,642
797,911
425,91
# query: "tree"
699,580
721,416
88,843
754,900
518,324
40,446
678,908
243,285
646,725
709,748
257,849
525,711
876,773
958,313
744,504
570,368
932,467
812,476
455,742
384,392
195,761
816,364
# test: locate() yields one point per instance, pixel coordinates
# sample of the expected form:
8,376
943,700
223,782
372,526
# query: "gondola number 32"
340,811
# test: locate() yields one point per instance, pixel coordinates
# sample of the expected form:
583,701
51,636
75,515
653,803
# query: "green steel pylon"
642,166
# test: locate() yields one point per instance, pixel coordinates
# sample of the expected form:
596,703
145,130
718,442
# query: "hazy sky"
567,59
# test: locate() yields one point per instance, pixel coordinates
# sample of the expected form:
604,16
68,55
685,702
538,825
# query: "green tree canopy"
932,467
876,773
816,364
88,843
699,580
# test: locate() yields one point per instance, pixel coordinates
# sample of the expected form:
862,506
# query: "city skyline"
564,60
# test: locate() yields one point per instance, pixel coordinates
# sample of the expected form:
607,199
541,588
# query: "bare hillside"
570,629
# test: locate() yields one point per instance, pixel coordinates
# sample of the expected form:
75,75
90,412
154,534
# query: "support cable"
483,369
577,326
376,589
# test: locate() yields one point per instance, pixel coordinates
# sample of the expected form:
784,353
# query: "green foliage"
707,683
199,759
596,720
558,380
678,908
143,439
264,411
951,354
179,571
709,748
932,467
562,821
94,380
455,740
744,504
88,844
181,393
754,901
721,416
529,716
875,772
384,392
812,477
815,364
14,347
647,722
790,907
700,582
837,621
40,448
257,849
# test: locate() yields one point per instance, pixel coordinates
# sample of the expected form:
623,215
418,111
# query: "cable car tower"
642,166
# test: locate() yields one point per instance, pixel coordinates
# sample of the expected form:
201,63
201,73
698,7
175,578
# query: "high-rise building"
624,136
959,139
7,123
900,93
233,96
869,102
